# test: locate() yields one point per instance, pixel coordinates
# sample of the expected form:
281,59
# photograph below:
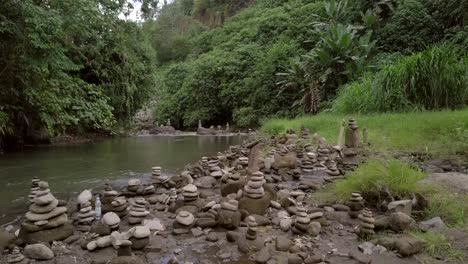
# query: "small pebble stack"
111,219
302,220
86,214
251,228
109,194
172,196
305,132
184,219
215,169
119,206
366,227
333,169
138,211
133,186
16,257
34,188
231,205
156,178
244,161
307,163
190,193
254,188
356,204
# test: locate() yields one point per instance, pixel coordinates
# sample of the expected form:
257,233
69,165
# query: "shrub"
245,117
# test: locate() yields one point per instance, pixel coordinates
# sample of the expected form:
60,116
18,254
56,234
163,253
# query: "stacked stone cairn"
133,187
109,195
138,211
111,219
302,220
215,169
119,206
356,204
149,190
204,163
251,228
190,193
140,237
86,216
172,196
322,156
184,219
333,169
269,160
34,188
352,134
16,257
308,148
46,221
307,164
157,179
305,132
229,216
366,226
254,187
243,161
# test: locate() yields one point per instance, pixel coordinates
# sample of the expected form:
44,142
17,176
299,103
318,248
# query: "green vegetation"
376,179
380,180
438,245
433,79
436,133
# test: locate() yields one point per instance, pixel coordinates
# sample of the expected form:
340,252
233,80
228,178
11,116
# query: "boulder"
286,161
255,206
48,235
408,246
404,206
435,223
38,252
455,181
229,219
84,196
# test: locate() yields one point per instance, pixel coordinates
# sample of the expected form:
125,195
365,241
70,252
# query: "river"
70,169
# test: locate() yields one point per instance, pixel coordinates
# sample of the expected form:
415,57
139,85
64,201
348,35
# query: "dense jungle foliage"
285,58
75,66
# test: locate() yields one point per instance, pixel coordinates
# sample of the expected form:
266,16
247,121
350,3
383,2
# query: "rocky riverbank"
249,204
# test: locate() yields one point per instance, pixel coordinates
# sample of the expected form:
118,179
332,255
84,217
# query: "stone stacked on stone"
307,163
322,154
109,194
254,187
305,132
172,196
190,193
138,211
352,134
139,236
45,221
34,188
204,163
149,190
119,206
269,160
316,217
302,220
86,214
229,216
111,219
366,226
215,169
156,177
333,169
308,148
133,186
356,204
184,219
16,257
251,228
243,161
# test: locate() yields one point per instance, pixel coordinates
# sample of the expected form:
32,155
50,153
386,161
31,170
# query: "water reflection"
70,169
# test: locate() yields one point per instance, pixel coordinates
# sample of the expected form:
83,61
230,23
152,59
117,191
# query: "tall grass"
438,133
438,246
436,78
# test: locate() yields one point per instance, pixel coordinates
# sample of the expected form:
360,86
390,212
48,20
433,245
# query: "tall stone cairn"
251,228
366,226
352,134
254,187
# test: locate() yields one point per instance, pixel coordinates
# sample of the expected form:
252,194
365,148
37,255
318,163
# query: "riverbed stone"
38,252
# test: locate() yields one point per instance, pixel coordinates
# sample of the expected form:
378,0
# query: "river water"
71,169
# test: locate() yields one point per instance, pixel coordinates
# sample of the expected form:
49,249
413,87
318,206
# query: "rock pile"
139,236
366,226
254,187
190,193
352,134
305,132
119,206
156,178
333,169
133,186
307,163
16,257
184,219
34,188
138,211
111,220
172,196
243,161
229,216
86,214
322,155
251,228
356,204
302,220
45,221
109,194
215,169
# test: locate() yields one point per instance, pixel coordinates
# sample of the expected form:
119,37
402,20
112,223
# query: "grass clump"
441,133
438,245
452,208
378,178
436,78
